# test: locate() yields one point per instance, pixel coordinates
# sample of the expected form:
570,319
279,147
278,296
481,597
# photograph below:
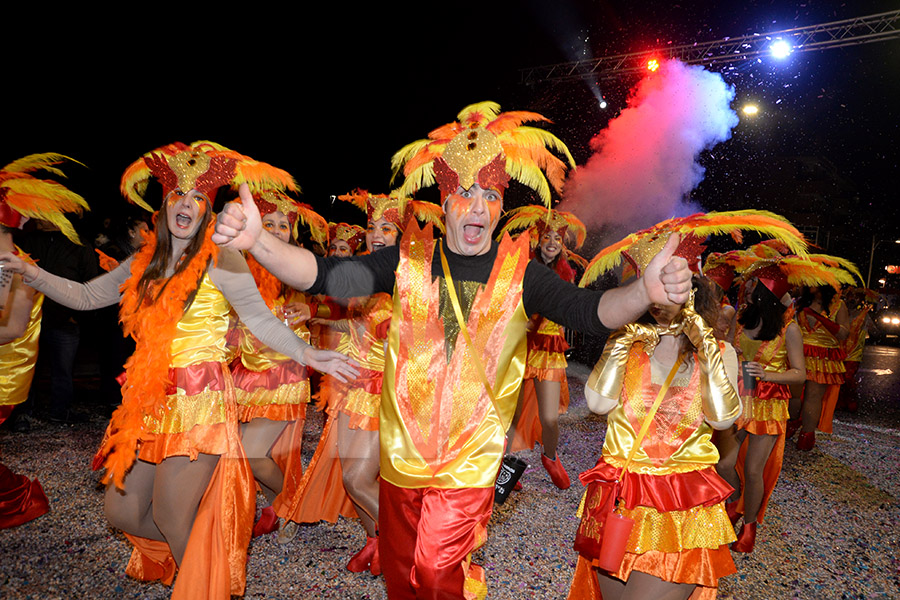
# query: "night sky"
329,94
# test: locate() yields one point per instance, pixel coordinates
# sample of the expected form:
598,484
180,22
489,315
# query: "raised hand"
239,225
667,279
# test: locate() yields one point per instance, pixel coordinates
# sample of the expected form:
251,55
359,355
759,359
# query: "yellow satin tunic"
679,440
255,355
438,425
18,357
200,338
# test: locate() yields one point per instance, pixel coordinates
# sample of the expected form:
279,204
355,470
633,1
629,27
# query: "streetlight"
872,258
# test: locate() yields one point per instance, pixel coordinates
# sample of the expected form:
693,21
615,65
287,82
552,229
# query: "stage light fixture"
750,109
780,49
652,64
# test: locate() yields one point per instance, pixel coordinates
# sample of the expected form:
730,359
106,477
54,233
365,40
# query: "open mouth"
377,246
183,220
473,232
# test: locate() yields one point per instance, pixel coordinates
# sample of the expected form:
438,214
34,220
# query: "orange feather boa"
270,288
153,325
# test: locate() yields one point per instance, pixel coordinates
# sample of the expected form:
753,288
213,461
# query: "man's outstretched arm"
239,226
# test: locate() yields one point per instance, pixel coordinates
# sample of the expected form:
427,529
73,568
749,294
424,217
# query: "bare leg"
258,437
729,442
796,401
131,509
177,489
759,448
548,412
511,433
610,587
812,405
359,451
641,586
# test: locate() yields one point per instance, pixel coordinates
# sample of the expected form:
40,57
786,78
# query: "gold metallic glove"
720,399
609,373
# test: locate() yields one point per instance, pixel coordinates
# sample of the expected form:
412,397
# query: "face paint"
278,225
470,218
380,234
184,212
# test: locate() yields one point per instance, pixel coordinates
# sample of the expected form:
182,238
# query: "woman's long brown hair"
159,262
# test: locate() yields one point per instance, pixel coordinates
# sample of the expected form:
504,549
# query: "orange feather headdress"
352,234
270,201
537,220
779,271
24,195
639,248
204,166
393,208
487,147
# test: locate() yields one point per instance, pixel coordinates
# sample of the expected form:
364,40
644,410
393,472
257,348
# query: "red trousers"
426,537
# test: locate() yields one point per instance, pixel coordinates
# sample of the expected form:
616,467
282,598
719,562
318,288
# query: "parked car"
887,319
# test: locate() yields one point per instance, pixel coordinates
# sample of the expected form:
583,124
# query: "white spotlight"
780,49
603,103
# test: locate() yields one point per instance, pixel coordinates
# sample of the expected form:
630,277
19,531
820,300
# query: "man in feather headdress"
454,364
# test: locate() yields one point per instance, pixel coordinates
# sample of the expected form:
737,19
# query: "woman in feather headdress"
24,196
545,391
350,437
665,461
272,390
180,505
825,322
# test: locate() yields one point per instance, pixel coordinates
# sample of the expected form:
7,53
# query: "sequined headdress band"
487,147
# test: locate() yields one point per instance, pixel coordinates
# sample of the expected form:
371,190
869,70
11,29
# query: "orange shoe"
557,472
806,441
267,523
362,560
733,515
746,538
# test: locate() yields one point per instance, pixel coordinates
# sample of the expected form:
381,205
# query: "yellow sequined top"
257,356
200,338
439,427
679,440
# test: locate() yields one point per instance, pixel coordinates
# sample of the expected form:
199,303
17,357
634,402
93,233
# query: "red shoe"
375,566
267,523
557,472
362,560
792,426
746,538
806,440
732,512
518,487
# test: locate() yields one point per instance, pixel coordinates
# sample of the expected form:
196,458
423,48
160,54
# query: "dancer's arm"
239,226
97,293
232,276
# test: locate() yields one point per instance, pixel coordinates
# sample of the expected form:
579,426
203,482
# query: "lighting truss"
849,32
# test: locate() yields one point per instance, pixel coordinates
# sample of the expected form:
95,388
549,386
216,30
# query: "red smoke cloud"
644,164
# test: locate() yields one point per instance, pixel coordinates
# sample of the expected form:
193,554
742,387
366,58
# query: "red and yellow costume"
672,491
179,397
442,435
546,340
824,360
21,499
369,319
766,409
24,196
